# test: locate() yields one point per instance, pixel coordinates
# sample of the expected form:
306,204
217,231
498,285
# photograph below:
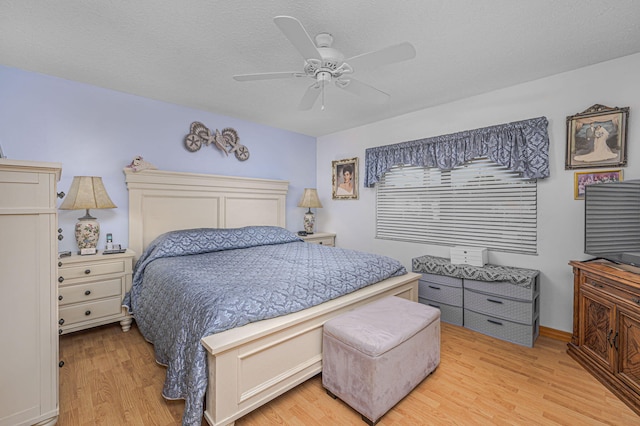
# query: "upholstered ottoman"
374,355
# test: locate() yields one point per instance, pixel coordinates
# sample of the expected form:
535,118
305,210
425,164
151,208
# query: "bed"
251,364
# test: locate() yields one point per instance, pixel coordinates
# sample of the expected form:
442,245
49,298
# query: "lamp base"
309,222
87,234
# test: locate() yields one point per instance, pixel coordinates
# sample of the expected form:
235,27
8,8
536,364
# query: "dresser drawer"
89,291
70,271
514,332
520,311
505,288
87,311
440,293
442,279
448,313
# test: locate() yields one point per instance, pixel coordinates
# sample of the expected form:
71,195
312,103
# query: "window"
479,204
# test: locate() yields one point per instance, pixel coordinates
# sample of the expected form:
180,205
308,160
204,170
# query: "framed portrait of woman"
345,179
597,137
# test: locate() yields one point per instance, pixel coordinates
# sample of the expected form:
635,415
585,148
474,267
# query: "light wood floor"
110,378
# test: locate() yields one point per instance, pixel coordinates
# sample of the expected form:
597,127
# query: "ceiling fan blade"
266,76
359,88
310,96
388,55
298,36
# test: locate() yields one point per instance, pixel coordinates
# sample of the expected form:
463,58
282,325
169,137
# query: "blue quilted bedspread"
193,283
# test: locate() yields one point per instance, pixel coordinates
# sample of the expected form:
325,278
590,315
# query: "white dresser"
28,306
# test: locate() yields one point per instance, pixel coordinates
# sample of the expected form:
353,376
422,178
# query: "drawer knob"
320,243
87,313
88,292
60,297
61,364
60,279
59,264
59,331
60,237
635,300
61,321
87,271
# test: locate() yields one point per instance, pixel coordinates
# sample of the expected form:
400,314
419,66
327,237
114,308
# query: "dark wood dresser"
606,326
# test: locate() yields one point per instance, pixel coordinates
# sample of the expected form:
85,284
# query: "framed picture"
345,179
597,137
583,179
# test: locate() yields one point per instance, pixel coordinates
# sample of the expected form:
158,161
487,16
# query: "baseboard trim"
555,334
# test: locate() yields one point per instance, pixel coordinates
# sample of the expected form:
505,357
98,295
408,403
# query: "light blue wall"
95,131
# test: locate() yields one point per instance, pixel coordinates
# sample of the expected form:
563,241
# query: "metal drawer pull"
88,292
59,264
596,284
609,338
87,313
320,243
59,331
615,341
435,306
434,287
494,301
60,279
635,300
61,364
494,322
87,271
60,297
61,321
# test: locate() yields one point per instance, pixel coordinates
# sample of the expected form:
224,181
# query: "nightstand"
324,238
91,289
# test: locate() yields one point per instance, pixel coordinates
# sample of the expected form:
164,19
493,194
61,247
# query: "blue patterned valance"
521,146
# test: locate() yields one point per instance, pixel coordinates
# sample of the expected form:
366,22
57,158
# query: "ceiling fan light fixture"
324,64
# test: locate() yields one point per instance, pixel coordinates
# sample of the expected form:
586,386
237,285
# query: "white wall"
560,217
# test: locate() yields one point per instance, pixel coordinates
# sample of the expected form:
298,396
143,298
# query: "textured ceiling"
186,52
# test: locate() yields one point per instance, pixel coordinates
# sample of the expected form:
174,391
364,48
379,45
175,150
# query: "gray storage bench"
500,301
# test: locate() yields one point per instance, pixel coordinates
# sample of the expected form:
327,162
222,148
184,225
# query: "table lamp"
87,192
309,199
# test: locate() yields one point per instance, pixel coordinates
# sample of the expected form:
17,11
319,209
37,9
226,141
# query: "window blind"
478,204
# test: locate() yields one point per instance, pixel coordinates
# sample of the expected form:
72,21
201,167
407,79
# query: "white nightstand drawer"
90,291
323,238
323,241
87,311
115,266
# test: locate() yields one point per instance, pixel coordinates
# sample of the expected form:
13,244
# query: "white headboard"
161,201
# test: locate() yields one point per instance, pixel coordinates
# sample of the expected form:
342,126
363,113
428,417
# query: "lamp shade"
310,199
87,192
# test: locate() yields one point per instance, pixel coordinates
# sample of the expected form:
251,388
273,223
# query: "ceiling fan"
324,64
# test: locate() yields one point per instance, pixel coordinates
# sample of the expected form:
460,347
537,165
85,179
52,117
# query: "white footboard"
251,365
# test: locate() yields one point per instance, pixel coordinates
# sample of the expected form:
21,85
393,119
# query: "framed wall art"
583,179
345,179
597,137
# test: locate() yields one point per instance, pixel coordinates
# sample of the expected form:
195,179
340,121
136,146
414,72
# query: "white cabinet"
28,308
